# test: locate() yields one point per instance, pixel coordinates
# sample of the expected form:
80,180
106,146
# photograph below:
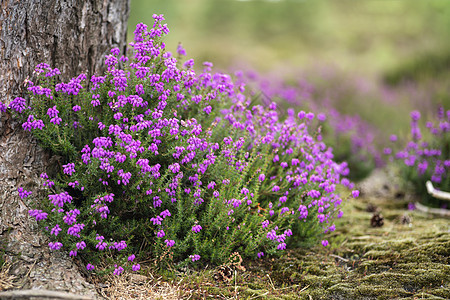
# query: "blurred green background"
370,36
370,60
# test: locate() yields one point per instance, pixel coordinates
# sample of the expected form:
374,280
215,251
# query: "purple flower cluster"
18,104
427,155
32,123
194,257
23,193
196,228
352,138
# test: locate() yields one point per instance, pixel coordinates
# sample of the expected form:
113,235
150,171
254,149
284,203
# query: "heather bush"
163,163
425,156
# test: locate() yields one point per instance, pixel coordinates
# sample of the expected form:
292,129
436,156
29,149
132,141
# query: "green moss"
396,261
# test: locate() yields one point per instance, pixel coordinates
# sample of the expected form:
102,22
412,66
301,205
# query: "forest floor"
408,257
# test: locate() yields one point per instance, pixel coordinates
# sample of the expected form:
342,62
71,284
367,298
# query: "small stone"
136,278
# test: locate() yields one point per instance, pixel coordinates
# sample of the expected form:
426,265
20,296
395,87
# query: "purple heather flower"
393,138
55,230
101,246
157,220
355,193
18,104
118,270
76,108
272,235
261,177
136,267
157,202
313,194
196,228
120,245
3,107
281,246
284,210
324,243
81,245
69,169
23,193
321,117
411,206
415,115
207,109
131,257
38,214
303,212
301,115
169,243
52,112
194,257
244,191
60,199
260,254
161,233
73,253
90,267
55,245
180,50
165,213
175,168
75,230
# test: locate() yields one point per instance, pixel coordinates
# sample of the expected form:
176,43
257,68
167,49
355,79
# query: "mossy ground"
400,260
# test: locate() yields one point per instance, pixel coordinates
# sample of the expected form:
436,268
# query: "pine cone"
226,271
223,273
377,220
405,219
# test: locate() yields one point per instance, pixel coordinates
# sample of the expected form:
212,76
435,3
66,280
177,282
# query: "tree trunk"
74,36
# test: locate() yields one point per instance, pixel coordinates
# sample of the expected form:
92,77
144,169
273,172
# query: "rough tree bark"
74,36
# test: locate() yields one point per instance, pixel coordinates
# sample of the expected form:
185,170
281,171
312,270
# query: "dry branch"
436,193
41,294
434,211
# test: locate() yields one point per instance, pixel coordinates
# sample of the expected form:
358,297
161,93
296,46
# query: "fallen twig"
24,294
338,257
436,193
433,211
